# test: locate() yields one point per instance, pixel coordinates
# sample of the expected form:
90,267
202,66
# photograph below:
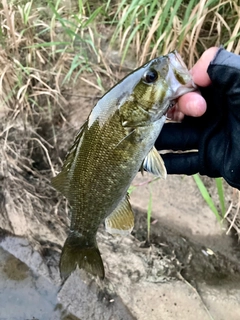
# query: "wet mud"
193,260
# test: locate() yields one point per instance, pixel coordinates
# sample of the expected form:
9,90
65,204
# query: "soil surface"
188,268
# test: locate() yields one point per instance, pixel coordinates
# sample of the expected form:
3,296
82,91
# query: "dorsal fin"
61,181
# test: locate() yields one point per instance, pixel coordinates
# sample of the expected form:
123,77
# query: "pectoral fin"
121,220
154,163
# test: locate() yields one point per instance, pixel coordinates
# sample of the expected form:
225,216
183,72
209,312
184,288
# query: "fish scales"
115,142
107,158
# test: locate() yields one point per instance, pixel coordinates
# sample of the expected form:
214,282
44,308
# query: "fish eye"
150,76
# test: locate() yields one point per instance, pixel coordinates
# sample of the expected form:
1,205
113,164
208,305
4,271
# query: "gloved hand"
213,140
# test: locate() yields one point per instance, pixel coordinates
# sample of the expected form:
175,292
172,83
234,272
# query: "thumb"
199,70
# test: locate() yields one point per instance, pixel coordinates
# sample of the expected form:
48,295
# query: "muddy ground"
190,268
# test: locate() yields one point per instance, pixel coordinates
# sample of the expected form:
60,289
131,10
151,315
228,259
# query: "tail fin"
79,251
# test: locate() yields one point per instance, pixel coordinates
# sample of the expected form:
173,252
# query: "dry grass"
27,78
233,213
30,95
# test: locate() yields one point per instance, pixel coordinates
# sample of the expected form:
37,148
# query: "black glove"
215,136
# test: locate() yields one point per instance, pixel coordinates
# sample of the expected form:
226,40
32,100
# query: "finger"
199,70
178,136
192,104
183,163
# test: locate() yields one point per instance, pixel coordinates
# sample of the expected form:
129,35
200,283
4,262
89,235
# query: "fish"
114,143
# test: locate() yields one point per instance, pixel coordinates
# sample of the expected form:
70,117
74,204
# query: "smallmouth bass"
114,143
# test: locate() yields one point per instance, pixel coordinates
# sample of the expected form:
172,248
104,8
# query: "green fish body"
115,142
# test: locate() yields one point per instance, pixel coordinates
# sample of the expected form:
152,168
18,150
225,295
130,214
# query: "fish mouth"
179,77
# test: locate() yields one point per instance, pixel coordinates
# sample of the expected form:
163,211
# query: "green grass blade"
206,196
219,184
48,44
185,22
233,38
129,42
149,211
131,189
173,13
90,19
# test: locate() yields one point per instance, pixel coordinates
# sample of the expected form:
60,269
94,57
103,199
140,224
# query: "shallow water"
25,295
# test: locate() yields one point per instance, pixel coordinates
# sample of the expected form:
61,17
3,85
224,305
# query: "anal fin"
121,220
